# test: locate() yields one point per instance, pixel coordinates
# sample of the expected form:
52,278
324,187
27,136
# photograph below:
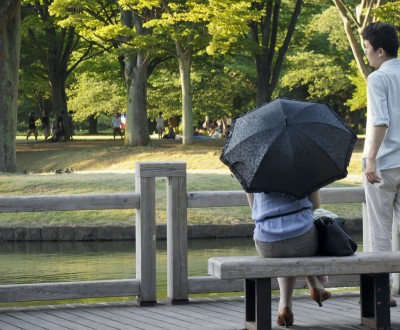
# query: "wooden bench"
373,268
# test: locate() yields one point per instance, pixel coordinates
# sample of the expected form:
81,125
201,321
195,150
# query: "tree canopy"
195,59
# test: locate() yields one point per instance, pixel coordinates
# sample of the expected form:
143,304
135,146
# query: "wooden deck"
339,313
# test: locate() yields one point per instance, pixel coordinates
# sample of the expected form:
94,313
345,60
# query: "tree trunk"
360,21
265,33
185,62
93,125
55,56
136,129
59,97
10,41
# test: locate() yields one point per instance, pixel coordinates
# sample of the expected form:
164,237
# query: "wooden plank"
69,290
207,284
258,267
69,202
146,239
8,326
201,199
17,322
177,250
162,169
51,322
342,195
207,314
89,324
341,312
140,317
166,319
96,317
202,315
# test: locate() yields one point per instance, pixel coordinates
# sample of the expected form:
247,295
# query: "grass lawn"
102,165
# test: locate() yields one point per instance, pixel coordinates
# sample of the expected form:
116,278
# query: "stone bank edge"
116,233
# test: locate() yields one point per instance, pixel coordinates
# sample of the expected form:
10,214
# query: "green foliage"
93,95
229,24
359,98
324,79
178,21
389,12
329,26
34,87
96,21
222,86
164,93
320,67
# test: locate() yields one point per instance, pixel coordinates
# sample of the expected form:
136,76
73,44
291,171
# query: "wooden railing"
179,285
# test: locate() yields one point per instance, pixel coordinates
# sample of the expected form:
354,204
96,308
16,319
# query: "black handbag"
334,239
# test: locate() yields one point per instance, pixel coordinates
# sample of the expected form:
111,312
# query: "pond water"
36,262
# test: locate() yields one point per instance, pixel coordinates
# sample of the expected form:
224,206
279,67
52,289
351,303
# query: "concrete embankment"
109,233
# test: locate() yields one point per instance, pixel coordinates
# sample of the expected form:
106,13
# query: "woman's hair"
382,35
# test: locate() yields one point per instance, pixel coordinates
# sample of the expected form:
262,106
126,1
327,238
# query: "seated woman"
285,228
214,133
171,134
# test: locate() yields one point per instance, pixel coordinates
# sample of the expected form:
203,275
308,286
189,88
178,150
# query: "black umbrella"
291,147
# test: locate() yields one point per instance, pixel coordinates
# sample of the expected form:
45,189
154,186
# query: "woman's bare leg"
286,288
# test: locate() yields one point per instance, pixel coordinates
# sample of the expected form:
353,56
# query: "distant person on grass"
116,124
46,126
171,134
60,128
71,123
160,125
32,126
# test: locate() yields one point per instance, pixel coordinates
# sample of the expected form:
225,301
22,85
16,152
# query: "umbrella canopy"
291,147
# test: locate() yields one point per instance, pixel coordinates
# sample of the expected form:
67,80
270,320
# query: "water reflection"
35,262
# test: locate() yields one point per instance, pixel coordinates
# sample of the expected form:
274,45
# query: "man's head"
381,43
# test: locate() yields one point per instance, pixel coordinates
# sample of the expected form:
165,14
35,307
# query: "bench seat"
373,268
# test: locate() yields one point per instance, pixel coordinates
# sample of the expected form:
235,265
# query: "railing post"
146,236
177,260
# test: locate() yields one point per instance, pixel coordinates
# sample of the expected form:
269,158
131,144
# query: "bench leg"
374,299
258,304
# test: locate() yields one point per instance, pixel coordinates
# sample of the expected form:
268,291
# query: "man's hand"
378,134
370,172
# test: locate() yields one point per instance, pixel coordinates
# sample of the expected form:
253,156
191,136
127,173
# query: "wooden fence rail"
69,202
179,285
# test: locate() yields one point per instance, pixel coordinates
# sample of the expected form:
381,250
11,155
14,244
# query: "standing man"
46,125
160,125
381,156
71,123
32,126
60,128
116,123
